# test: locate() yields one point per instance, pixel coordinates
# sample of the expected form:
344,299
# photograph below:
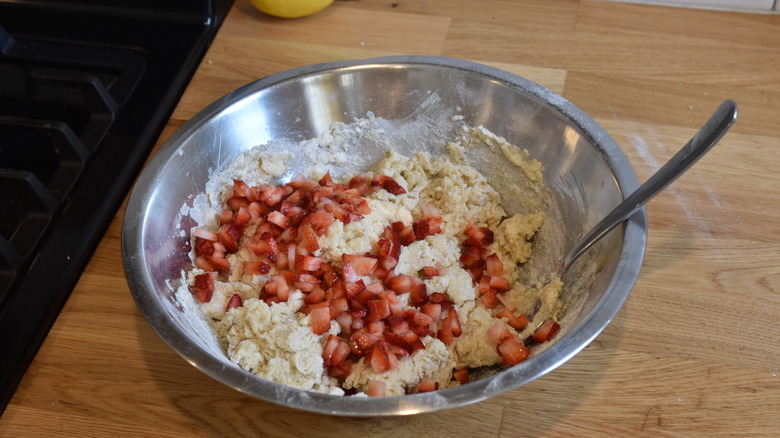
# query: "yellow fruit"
290,8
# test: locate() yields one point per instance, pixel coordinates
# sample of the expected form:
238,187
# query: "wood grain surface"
695,350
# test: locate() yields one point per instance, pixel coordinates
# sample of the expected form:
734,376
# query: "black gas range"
86,87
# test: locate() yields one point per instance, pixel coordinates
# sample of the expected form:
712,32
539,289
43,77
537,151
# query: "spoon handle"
699,144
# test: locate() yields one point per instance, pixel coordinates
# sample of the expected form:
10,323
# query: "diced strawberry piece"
420,323
308,238
377,388
398,340
418,295
429,272
375,287
516,322
377,327
345,321
353,289
225,216
339,306
307,309
236,202
340,355
264,245
217,263
490,299
320,320
407,236
427,385
271,195
461,375
203,286
401,284
361,342
308,263
320,221
512,352
388,184
330,347
341,371
282,289
289,235
316,295
257,210
200,262
378,358
204,247
428,226
499,283
256,267
476,272
229,236
362,265
499,333
546,331
363,208
241,218
484,284
240,188
377,309
494,266
432,309
471,257
413,340
454,322
278,219
445,334
235,301
477,236
326,179
205,234
348,273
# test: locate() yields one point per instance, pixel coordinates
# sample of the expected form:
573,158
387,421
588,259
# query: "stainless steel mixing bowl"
585,171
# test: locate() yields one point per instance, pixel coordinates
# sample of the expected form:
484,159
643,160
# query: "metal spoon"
701,143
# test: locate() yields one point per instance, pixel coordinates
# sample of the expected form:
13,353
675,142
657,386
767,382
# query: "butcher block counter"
695,350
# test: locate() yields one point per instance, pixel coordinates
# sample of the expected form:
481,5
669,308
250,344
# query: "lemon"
290,8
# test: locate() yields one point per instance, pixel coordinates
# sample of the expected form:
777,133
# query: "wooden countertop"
694,351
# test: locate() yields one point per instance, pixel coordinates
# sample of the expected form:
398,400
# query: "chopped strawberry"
499,333
401,284
499,283
320,221
225,216
308,238
236,202
256,267
217,263
301,182
493,266
471,257
264,245
513,352
361,342
388,184
377,309
516,322
282,289
490,299
341,371
205,234
240,188
429,272
420,323
235,301
362,265
326,179
308,263
271,195
477,236
229,236
330,347
278,219
418,296
505,301
427,385
378,358
430,210
432,309
428,226
363,208
316,295
320,320
348,273
353,289
546,331
203,286
461,375
377,388
453,322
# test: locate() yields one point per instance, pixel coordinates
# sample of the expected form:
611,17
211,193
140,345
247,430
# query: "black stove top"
86,87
